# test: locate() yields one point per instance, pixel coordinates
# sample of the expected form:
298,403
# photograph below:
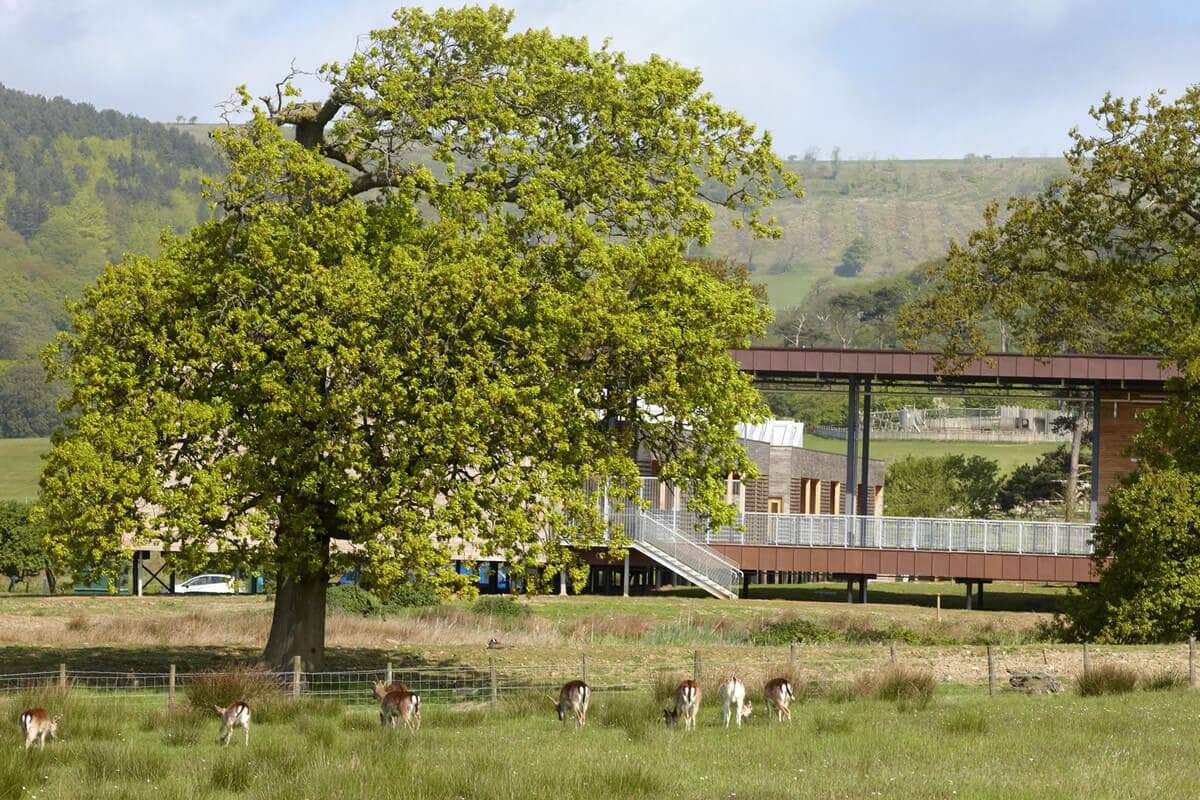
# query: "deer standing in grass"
234,715
396,702
37,724
778,694
573,697
687,703
733,698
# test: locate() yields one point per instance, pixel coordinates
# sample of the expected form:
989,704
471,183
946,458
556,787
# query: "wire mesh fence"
970,669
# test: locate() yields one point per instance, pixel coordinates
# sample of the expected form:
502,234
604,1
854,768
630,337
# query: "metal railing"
685,554
898,533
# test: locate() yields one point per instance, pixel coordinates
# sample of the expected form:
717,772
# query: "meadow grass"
1141,745
20,464
1008,456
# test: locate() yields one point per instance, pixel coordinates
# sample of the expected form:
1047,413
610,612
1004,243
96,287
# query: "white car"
208,584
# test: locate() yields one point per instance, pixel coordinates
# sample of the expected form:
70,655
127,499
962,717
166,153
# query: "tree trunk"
1073,472
298,622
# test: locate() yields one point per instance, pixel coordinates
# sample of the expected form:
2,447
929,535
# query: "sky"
876,79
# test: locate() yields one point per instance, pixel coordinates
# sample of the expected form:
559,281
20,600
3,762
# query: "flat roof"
903,366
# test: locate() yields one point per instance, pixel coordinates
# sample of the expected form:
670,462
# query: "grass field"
20,461
847,738
1008,456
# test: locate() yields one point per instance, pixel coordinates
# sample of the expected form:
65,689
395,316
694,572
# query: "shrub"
787,631
1106,679
502,607
347,598
411,595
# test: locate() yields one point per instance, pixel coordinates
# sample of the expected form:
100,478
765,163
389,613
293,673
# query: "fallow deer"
36,724
573,697
235,715
733,698
687,703
381,689
402,705
778,694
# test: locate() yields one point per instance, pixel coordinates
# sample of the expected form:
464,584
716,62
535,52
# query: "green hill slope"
906,212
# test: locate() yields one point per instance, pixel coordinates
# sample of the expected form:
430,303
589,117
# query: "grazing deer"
235,715
733,697
778,694
687,703
35,724
496,644
402,705
381,690
573,697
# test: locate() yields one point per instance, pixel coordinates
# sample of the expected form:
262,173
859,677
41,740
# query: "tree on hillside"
22,552
854,259
451,300
1108,259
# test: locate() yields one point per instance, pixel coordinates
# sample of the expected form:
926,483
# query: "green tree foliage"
455,297
942,486
855,257
1148,550
22,552
1041,482
28,404
1106,258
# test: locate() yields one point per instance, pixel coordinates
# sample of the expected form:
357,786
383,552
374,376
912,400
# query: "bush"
1165,681
793,630
501,607
411,595
347,598
1106,679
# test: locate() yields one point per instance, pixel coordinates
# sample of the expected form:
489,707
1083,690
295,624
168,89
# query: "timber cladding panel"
1118,424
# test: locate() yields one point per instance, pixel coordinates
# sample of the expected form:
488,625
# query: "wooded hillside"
80,187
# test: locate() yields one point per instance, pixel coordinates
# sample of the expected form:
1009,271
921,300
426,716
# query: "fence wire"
970,668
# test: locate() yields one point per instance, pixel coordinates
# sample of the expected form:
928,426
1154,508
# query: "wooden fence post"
1192,662
991,672
586,671
696,667
892,652
492,674
297,664
171,688
939,608
792,657
1086,666
387,675
62,676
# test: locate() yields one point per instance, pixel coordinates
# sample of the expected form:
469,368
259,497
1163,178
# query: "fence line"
487,683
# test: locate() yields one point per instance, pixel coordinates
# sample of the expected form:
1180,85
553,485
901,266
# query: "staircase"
681,554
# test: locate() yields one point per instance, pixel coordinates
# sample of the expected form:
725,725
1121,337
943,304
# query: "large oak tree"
449,299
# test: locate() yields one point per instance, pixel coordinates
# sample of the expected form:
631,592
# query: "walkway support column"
865,468
1095,509
851,452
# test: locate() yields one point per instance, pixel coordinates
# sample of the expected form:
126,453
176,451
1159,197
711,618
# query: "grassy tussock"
1106,679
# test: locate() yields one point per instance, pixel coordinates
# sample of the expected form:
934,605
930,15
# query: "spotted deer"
381,689
687,703
573,697
36,723
235,715
778,694
400,705
733,698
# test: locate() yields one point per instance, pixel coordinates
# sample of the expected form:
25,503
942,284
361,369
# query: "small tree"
855,257
1147,553
22,552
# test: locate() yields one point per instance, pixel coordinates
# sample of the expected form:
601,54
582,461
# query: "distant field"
1009,456
20,461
